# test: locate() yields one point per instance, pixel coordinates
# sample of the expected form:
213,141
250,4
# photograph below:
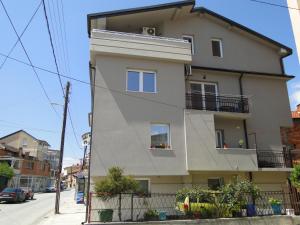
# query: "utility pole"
62,143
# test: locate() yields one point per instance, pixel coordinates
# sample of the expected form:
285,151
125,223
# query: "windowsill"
161,149
237,149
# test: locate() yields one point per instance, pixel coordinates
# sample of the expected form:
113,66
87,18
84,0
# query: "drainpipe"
244,121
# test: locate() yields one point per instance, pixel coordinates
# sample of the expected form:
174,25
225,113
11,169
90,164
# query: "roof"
194,9
18,131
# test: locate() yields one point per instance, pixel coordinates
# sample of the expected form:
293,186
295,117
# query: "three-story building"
183,96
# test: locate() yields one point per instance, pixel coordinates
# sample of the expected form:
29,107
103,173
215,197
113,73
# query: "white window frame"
141,80
222,138
149,183
221,46
203,90
169,136
192,42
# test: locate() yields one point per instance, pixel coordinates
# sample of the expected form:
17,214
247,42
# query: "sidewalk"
70,212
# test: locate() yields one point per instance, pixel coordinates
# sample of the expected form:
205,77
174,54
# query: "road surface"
30,212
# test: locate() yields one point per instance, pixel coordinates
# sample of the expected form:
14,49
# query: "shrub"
295,177
151,214
6,171
274,201
195,194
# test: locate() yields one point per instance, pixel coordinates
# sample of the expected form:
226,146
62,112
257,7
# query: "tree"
6,171
114,185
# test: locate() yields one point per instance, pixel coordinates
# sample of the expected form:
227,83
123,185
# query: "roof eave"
136,10
242,27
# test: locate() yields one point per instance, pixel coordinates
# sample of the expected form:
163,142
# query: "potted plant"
295,177
112,186
151,215
276,205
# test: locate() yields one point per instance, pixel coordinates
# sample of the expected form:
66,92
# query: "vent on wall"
149,31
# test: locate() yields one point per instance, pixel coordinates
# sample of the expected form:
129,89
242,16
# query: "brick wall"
35,167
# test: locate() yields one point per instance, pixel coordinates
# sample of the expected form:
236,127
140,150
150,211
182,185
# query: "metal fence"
274,159
219,103
133,207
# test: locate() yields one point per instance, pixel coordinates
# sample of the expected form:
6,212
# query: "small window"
219,138
190,39
144,186
141,81
215,183
160,136
217,49
24,142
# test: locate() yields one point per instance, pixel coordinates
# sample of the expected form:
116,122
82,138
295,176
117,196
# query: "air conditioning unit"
187,70
149,31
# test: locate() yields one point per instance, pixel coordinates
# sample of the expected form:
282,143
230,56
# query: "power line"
29,22
274,4
94,85
31,64
57,70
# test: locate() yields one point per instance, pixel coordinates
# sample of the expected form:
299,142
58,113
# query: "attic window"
217,48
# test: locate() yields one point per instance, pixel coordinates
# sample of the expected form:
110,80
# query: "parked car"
50,189
28,193
12,195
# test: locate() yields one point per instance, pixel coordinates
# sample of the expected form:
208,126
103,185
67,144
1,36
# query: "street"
30,212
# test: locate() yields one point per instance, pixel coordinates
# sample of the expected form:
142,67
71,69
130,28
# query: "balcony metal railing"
274,159
218,103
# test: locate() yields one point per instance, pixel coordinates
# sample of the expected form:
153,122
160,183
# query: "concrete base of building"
267,220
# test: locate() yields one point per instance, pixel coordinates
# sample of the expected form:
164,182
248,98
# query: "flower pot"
251,210
276,209
105,215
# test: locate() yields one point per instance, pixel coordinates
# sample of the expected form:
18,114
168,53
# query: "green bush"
151,214
195,194
274,201
6,171
295,176
206,210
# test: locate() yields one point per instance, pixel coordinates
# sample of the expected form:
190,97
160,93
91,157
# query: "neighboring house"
53,159
70,173
291,136
21,139
183,96
29,171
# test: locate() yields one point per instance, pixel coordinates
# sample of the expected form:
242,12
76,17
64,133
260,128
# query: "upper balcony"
218,103
137,45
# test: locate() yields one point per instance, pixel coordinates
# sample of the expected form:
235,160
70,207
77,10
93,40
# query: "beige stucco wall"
121,129
241,51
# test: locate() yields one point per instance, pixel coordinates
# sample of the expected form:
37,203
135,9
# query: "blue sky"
23,105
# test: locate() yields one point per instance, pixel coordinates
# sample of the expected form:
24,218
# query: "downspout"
244,121
92,85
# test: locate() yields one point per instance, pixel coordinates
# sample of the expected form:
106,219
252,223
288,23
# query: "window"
219,138
160,136
190,39
24,142
141,81
29,165
144,185
217,48
204,96
215,183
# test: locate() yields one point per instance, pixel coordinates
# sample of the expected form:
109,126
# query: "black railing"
219,103
274,159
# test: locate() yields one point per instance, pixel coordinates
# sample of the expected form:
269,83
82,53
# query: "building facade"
182,96
28,156
53,159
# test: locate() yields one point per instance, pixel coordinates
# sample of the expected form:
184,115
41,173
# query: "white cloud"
295,97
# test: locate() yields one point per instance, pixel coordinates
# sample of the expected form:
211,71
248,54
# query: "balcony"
217,103
274,159
141,46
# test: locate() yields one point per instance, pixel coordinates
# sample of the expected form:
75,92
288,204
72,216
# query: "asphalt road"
29,212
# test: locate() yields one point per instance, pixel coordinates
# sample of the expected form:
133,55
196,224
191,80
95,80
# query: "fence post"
131,212
284,201
120,207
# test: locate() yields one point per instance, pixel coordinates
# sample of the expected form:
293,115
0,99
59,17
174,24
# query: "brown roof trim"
242,27
244,72
136,10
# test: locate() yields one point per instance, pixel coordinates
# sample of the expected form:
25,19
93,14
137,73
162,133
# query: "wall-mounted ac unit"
149,31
